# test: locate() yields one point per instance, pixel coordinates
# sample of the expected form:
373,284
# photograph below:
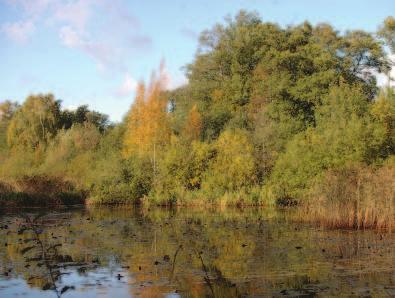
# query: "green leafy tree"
71,153
7,110
344,133
35,123
83,115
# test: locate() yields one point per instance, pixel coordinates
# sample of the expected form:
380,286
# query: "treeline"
269,114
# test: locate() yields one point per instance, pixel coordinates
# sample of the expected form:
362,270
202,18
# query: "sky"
95,51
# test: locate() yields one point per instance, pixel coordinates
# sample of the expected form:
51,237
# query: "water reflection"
188,253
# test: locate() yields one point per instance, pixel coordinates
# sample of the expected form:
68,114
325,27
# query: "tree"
193,126
345,133
71,153
83,115
147,124
7,110
35,122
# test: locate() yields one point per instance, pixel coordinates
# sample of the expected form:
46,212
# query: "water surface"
187,253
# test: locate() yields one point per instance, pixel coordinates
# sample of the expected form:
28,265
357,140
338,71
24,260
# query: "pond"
187,252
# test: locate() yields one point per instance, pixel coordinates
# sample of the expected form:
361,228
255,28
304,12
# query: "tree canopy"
267,113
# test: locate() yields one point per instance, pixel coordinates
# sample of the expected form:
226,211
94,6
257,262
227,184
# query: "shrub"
233,166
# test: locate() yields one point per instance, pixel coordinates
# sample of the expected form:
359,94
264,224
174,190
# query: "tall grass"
31,191
355,197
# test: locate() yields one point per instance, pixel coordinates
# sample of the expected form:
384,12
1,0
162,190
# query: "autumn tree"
147,124
193,126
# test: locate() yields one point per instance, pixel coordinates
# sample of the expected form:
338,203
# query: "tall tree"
147,124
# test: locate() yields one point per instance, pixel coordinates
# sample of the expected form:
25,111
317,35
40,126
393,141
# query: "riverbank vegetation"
269,115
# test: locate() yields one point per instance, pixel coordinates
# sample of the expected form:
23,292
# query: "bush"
128,181
181,168
233,167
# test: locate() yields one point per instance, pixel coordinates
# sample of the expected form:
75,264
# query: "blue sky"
94,51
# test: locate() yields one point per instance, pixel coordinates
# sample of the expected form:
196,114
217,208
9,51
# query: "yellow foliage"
147,124
193,126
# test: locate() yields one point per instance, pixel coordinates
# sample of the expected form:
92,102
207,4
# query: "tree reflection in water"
192,253
41,254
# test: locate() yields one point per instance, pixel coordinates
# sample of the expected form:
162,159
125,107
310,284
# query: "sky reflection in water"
105,252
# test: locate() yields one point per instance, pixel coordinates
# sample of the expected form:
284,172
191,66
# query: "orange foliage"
193,126
147,125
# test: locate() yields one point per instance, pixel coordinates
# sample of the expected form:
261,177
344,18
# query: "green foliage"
83,115
383,111
233,166
111,178
71,153
122,181
35,123
7,110
345,133
182,168
267,112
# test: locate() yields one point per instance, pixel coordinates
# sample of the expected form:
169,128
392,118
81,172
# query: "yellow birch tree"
147,124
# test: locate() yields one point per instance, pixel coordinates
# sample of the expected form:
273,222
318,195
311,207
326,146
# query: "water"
187,253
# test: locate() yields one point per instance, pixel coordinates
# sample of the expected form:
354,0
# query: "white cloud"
103,53
75,14
128,86
106,32
69,37
103,30
19,32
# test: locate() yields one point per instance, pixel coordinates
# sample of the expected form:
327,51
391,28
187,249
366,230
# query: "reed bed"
356,197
